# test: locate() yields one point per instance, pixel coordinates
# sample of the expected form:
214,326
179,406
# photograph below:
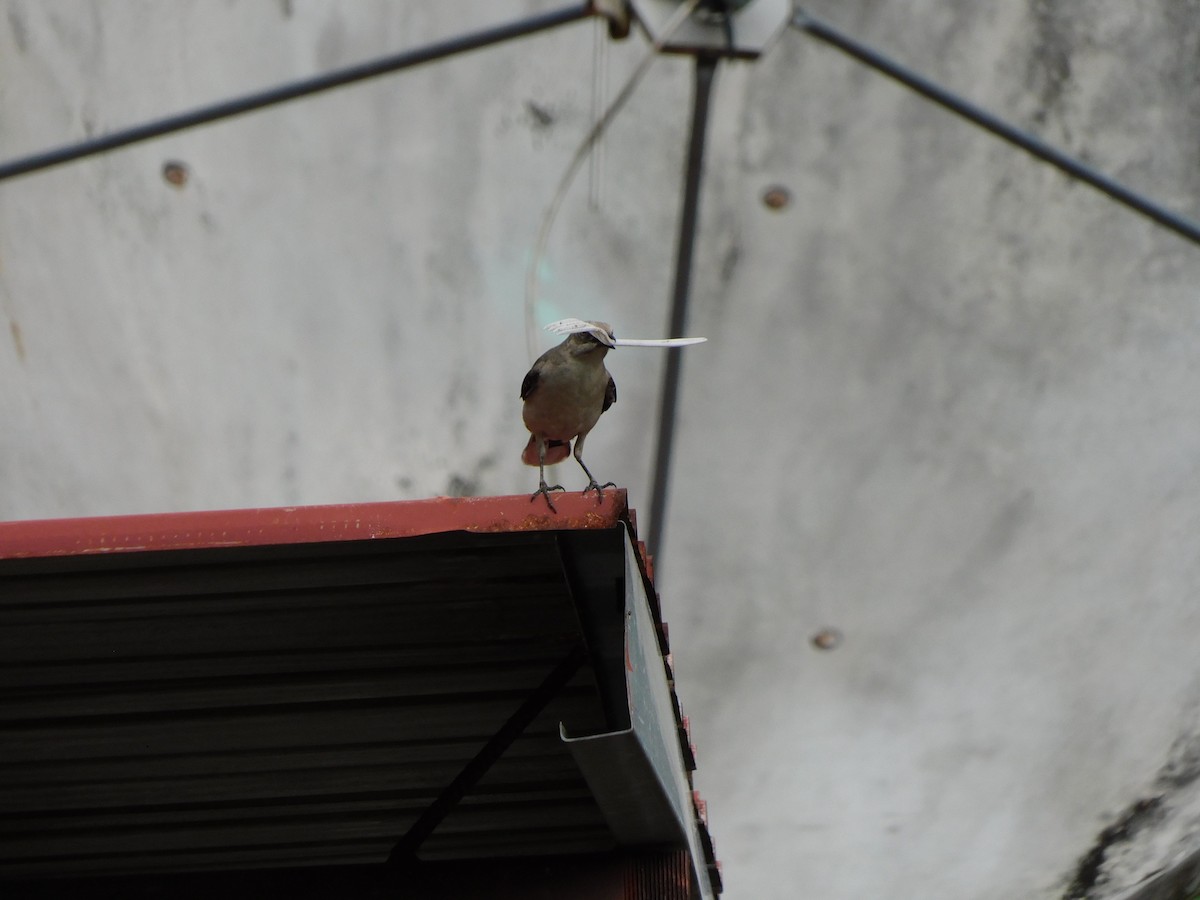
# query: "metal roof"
259,689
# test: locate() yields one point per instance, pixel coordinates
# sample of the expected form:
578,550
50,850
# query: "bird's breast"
567,401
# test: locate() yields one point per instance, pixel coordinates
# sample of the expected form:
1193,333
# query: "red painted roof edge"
307,524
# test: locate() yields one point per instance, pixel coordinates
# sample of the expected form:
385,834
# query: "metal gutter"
640,775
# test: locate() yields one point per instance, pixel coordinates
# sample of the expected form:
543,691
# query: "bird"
565,393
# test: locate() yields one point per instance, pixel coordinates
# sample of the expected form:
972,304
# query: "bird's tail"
556,451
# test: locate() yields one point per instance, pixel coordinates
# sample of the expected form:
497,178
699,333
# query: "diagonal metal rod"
405,850
706,68
1181,225
302,88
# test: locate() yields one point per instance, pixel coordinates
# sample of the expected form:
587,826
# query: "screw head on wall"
175,173
776,197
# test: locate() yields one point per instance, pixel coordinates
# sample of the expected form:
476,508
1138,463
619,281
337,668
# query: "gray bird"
565,394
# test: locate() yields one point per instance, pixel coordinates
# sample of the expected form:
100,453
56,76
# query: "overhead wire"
1181,225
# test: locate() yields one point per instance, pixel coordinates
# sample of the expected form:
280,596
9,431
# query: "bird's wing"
610,394
531,380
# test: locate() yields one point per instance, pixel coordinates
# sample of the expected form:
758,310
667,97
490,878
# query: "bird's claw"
598,488
544,490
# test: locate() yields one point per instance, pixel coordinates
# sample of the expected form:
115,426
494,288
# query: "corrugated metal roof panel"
213,706
268,688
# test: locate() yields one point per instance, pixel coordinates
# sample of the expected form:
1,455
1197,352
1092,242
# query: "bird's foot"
544,490
598,488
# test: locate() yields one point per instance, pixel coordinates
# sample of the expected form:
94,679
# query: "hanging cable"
600,42
601,125
296,89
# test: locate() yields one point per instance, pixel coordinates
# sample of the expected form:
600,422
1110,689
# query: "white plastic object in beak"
572,326
659,342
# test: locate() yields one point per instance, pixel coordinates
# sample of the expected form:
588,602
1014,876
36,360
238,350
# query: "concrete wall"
947,406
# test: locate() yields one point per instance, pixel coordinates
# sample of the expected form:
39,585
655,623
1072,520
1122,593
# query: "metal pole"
706,67
1181,225
285,92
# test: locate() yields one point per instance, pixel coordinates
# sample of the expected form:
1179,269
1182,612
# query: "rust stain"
568,516
18,342
644,555
555,521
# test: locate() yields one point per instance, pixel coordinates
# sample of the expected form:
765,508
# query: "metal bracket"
752,26
618,14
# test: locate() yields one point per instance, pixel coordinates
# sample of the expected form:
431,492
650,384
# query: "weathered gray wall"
947,406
